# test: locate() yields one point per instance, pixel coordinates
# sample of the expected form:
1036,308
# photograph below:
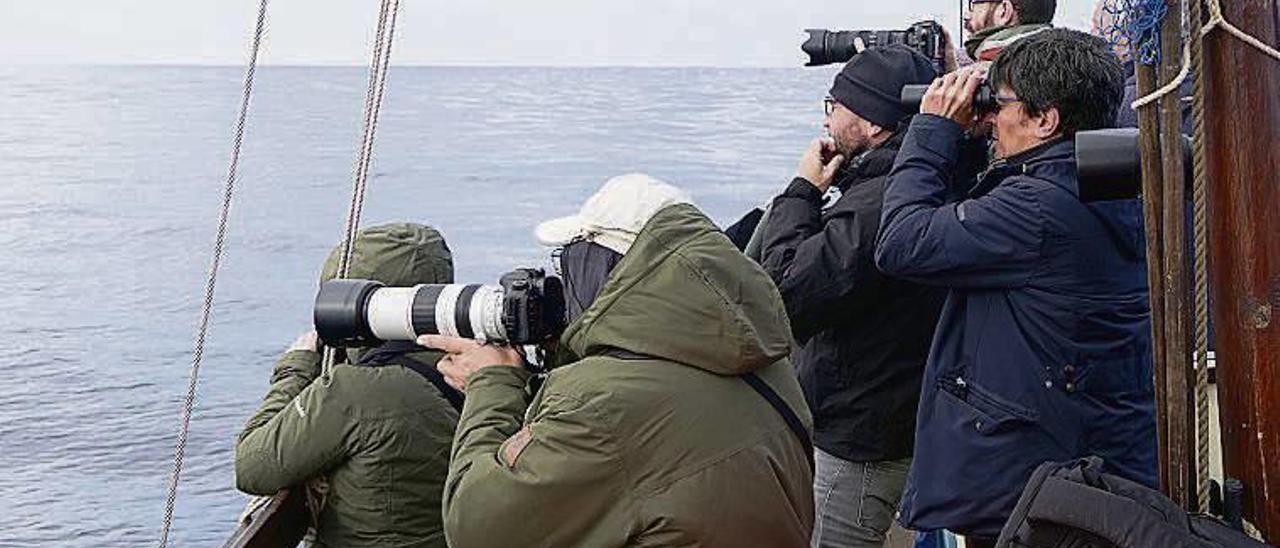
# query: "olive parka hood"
678,294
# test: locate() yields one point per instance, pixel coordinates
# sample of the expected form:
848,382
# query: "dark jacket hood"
684,293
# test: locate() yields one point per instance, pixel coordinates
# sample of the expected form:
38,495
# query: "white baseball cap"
615,214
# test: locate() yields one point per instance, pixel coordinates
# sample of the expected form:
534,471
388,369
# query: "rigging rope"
1201,245
378,68
207,309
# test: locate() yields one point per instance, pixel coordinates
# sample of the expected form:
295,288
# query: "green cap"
396,254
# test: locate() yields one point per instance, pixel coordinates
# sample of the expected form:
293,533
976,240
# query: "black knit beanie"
871,83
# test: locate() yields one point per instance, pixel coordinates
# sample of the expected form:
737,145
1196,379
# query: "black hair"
1034,11
1073,71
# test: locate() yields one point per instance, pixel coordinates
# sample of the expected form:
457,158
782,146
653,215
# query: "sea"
111,179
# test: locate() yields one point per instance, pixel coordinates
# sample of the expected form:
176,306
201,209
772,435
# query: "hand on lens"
308,341
812,167
951,96
466,356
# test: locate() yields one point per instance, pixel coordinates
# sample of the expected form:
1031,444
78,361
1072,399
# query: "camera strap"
397,353
756,383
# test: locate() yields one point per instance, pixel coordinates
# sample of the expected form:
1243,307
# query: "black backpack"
1075,505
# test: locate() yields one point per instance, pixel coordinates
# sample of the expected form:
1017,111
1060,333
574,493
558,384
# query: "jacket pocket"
985,411
1109,375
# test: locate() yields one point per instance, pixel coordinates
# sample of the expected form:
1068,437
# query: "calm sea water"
111,181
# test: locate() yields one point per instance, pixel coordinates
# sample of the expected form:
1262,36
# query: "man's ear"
1048,124
1005,14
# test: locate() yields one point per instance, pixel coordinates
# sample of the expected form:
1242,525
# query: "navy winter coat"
1043,350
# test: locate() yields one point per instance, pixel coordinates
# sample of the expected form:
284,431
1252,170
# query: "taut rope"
378,66
207,310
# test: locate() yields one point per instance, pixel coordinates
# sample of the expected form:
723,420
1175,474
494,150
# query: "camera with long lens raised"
527,307
826,46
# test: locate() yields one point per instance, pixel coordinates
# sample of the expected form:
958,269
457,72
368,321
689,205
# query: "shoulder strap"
756,383
398,355
788,415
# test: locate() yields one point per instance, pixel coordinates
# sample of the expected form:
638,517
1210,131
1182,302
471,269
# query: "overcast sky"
453,32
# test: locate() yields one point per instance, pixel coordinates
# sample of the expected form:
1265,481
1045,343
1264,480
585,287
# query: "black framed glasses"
828,106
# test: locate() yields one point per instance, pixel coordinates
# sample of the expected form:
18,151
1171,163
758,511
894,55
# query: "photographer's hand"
951,96
466,356
814,170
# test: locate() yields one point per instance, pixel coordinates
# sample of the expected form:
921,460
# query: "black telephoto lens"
826,47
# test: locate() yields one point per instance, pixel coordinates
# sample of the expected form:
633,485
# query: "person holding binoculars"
1043,350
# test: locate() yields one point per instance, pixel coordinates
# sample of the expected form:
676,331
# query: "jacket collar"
871,163
1044,161
985,44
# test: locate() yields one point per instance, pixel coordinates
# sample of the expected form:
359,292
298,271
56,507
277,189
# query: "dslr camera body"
826,46
527,307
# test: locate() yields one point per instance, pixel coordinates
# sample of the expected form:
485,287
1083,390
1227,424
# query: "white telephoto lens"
486,314
390,313
446,307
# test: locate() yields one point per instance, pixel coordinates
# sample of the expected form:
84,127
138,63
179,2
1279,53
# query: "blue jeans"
855,502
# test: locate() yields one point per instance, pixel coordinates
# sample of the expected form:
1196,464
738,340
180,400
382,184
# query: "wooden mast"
1242,138
1179,464
1164,214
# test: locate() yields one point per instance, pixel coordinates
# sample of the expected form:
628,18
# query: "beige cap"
615,214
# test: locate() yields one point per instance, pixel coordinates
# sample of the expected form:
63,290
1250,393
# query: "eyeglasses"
1003,100
828,106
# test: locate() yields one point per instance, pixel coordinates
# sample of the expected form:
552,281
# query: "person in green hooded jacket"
670,416
379,430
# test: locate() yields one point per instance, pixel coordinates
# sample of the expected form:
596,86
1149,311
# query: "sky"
724,33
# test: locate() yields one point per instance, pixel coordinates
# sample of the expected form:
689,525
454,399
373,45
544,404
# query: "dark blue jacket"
1043,350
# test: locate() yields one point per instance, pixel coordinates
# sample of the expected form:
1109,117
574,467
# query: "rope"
1216,20
378,69
1201,234
1134,24
207,310
1173,84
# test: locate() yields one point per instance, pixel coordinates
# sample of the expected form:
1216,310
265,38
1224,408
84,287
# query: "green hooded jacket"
669,448
381,435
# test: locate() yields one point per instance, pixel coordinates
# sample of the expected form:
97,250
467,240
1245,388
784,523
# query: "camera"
825,46
527,307
984,100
